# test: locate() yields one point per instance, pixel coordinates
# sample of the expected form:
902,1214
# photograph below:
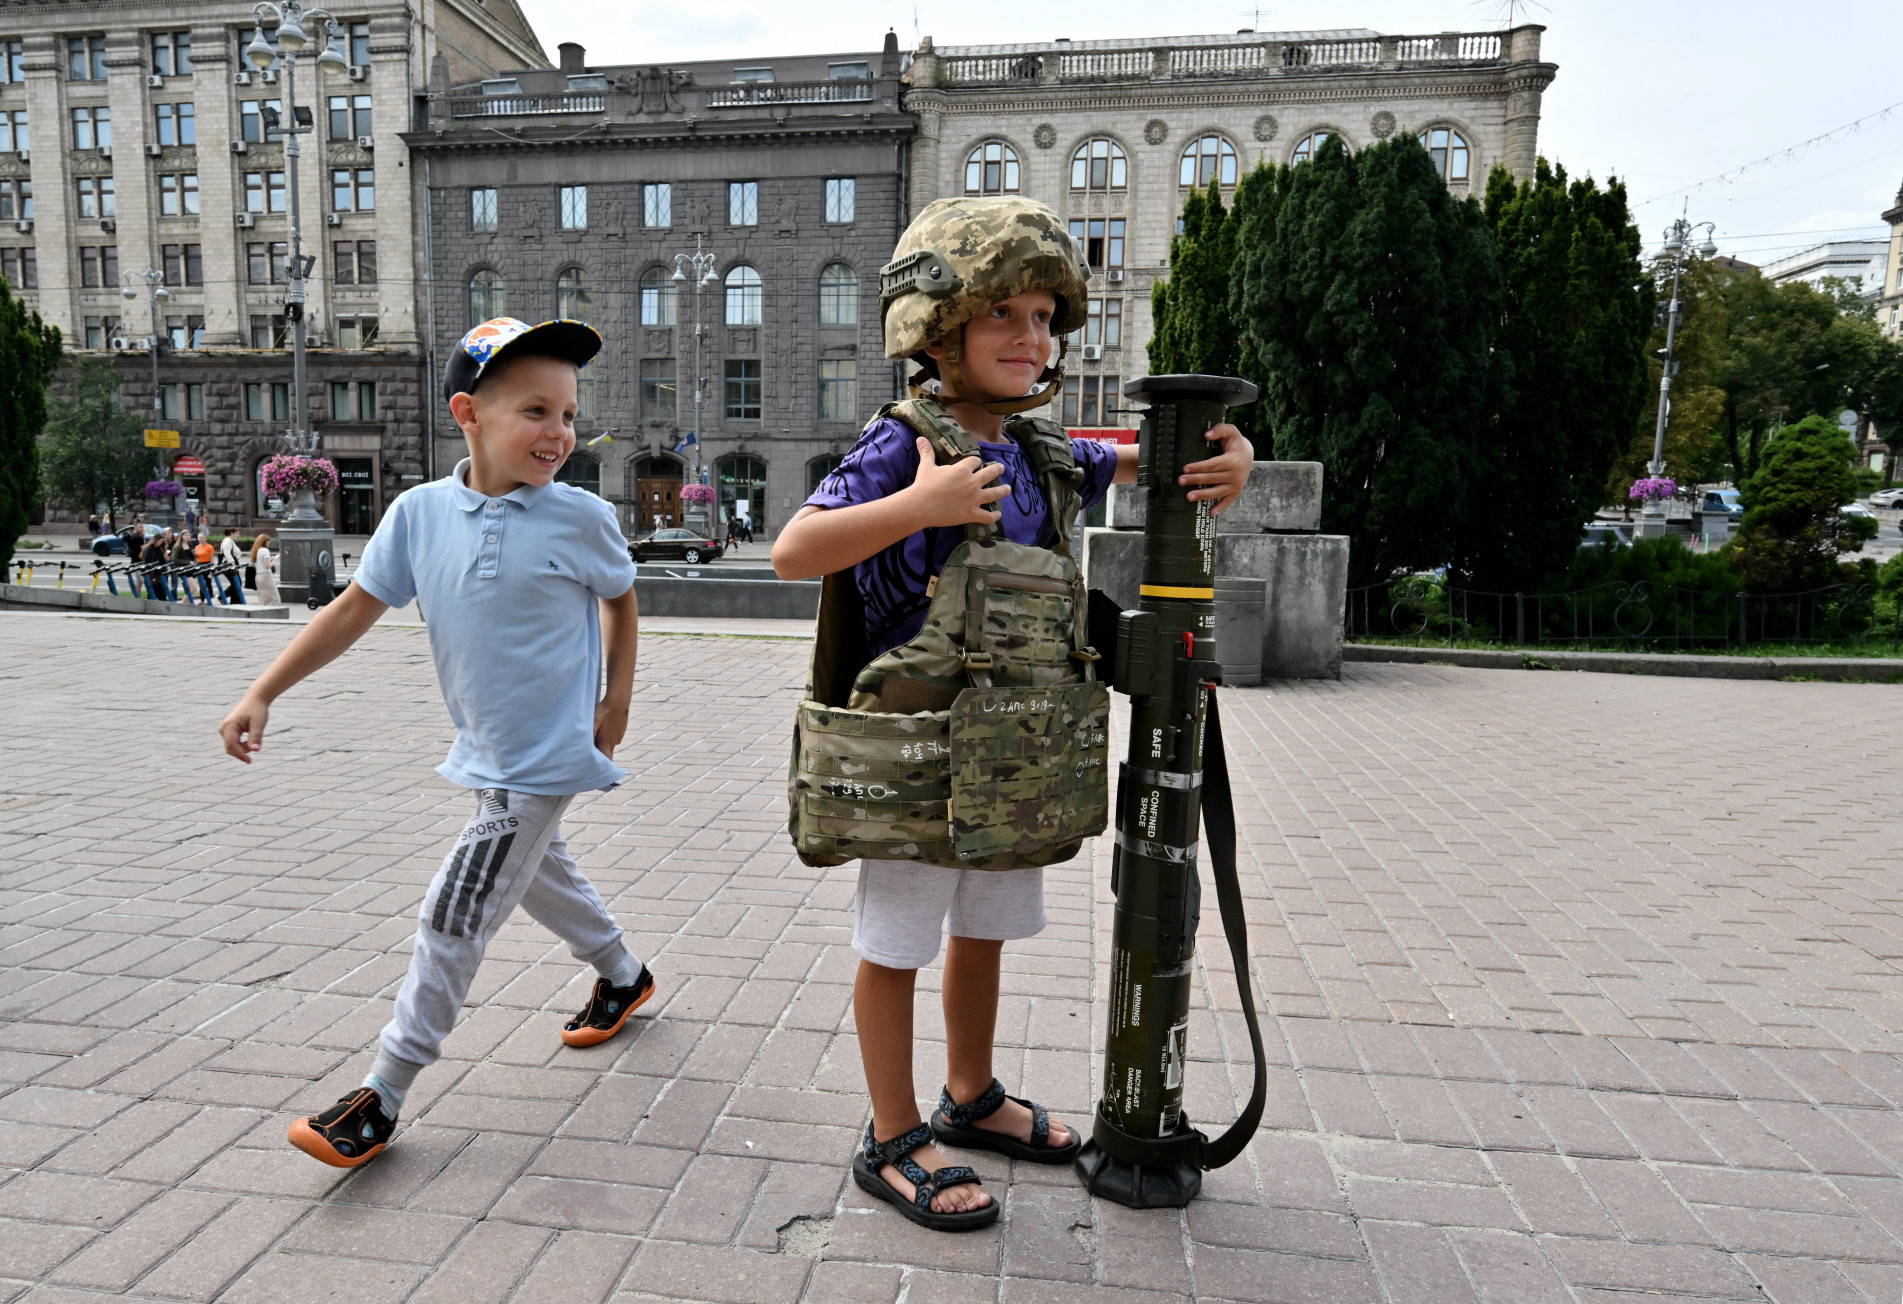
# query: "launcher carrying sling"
983,741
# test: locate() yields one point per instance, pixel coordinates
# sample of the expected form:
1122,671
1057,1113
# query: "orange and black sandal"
351,1132
607,1009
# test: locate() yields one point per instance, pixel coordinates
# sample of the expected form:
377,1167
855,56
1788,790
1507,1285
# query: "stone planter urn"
304,506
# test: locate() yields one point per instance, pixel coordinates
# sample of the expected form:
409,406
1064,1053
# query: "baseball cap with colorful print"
501,337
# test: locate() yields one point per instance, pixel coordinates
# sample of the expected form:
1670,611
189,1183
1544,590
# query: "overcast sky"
1663,93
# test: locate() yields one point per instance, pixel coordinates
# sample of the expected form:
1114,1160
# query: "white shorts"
902,908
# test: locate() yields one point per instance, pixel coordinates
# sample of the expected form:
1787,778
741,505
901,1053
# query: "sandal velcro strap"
898,1153
1040,1125
989,1101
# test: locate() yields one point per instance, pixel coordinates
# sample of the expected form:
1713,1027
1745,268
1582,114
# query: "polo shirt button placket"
491,554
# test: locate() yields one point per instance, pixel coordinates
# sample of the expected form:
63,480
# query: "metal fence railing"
1635,614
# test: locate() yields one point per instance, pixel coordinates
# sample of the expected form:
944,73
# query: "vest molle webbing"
982,742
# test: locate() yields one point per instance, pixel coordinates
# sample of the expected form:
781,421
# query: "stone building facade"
1890,301
573,192
134,138
1112,133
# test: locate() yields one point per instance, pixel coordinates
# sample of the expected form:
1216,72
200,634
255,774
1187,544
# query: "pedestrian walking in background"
228,550
154,555
203,552
265,576
733,533
92,525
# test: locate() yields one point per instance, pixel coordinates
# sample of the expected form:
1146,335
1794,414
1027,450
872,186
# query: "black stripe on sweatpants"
468,888
448,890
488,883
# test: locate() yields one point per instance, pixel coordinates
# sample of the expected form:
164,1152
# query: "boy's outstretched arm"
321,642
620,632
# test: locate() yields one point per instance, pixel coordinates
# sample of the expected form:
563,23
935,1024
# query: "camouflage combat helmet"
960,257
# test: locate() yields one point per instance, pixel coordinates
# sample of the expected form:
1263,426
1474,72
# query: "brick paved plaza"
1579,986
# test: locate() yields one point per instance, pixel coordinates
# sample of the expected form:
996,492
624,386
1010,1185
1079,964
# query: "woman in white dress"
266,562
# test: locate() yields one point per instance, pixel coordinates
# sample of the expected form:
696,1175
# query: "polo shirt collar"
469,500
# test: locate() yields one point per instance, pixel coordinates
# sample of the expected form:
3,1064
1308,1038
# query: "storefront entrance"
657,496
356,495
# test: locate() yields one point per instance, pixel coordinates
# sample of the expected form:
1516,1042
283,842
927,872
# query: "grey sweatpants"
510,853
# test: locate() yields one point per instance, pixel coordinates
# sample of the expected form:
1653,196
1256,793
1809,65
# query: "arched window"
818,469
573,295
742,485
1309,146
1449,150
743,296
657,298
1209,158
486,298
1098,165
582,471
838,296
992,169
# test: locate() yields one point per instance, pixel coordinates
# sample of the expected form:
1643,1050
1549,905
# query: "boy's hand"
1225,475
243,729
959,494
611,723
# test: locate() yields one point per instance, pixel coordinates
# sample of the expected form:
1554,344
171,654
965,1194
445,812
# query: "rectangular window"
92,128
195,392
172,262
16,200
366,262
86,58
1101,239
194,264
339,400
172,54
339,106
344,255
367,400
280,396
360,45
89,267
1091,400
657,204
95,196
574,208
366,190
253,402
250,121
838,390
743,203
13,135
340,190
743,389
753,74
21,268
482,208
657,389
178,194
188,191
109,264
849,71
181,402
356,332
1105,323
584,397
274,185
177,123
257,264
12,61
254,192
360,115
172,397
839,199
95,333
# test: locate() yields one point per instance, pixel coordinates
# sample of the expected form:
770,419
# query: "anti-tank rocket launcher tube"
1142,1151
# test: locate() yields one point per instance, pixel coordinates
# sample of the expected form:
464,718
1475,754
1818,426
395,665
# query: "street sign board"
188,465
161,439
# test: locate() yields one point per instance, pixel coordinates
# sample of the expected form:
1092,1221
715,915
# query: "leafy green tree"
1793,532
1193,327
29,353
1694,452
1576,309
1367,300
94,450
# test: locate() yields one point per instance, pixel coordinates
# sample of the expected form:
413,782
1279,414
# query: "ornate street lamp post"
1677,236
157,294
702,265
305,535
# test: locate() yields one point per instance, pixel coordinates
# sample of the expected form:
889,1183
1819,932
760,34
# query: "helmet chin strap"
951,381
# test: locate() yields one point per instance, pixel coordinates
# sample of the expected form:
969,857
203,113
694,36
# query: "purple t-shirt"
884,461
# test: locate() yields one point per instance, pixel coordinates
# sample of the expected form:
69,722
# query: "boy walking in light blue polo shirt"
516,573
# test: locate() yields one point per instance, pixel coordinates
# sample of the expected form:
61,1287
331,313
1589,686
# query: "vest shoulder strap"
1047,445
930,419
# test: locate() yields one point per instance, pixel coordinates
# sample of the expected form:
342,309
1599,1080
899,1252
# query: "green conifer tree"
1576,308
29,353
1367,304
1793,533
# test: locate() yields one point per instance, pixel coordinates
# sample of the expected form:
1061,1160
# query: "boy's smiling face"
1006,348
520,423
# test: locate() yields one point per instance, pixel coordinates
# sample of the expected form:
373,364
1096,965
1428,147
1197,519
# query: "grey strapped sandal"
955,1125
874,1155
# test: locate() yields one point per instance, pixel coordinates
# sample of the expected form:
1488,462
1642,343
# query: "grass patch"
1873,648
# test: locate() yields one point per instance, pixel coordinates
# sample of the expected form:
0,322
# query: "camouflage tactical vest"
983,741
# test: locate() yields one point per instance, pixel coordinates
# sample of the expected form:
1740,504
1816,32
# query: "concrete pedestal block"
1307,579
1279,496
1306,576
302,548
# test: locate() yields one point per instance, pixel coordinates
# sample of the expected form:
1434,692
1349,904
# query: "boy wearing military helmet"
977,294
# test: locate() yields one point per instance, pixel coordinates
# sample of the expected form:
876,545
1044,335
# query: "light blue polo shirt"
508,587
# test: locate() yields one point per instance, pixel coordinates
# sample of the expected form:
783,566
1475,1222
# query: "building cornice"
1238,92
884,127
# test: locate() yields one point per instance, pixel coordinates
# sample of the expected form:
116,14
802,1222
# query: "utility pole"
1652,517
156,294
702,265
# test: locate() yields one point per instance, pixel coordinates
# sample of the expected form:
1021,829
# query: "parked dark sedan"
674,545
